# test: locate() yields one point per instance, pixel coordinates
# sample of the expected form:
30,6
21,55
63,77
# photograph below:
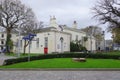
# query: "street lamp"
29,37
18,47
103,33
90,32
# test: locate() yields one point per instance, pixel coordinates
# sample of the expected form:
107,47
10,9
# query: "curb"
61,69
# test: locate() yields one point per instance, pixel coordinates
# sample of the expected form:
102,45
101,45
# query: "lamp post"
29,50
104,41
18,47
90,32
112,41
29,37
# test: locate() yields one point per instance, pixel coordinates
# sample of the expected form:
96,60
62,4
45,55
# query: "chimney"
74,25
53,22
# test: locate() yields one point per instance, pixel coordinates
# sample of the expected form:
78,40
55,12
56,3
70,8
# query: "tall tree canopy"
108,11
30,27
94,31
116,35
14,14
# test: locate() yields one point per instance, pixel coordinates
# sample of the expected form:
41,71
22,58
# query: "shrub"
76,47
62,55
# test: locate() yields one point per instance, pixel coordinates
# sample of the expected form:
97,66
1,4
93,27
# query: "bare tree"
94,31
14,14
31,27
108,11
116,35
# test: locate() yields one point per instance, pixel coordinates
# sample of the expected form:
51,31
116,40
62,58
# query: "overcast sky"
65,11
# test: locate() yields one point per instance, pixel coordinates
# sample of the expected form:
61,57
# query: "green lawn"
67,63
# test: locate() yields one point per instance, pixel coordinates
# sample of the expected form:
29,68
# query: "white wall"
53,42
2,39
66,42
91,44
74,33
87,44
13,38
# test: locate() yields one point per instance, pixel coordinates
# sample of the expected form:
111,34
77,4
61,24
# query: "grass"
67,63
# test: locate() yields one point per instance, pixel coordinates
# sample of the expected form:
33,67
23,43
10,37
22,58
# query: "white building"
50,38
56,38
2,40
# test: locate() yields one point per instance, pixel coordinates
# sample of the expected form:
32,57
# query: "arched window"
61,39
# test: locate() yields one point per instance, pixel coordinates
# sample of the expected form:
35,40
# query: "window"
64,45
37,43
76,37
1,47
46,41
58,46
2,35
2,42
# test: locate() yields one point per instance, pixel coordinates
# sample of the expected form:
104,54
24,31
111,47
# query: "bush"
83,49
76,47
66,55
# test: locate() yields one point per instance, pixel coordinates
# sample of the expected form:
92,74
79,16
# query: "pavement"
59,75
4,57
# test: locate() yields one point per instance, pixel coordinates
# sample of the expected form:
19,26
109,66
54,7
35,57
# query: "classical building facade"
55,38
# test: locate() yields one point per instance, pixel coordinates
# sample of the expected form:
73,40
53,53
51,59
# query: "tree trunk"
24,48
8,39
25,45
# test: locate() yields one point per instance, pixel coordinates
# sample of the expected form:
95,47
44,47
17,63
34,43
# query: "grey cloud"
66,11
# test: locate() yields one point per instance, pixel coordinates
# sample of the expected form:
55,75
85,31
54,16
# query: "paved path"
3,57
59,75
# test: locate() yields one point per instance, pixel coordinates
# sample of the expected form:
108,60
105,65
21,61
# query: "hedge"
62,55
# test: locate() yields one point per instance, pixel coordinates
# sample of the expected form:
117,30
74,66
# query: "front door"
46,46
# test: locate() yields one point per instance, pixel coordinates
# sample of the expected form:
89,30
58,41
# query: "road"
59,75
